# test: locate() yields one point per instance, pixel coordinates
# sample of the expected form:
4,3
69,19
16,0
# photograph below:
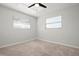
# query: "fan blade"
42,5
31,5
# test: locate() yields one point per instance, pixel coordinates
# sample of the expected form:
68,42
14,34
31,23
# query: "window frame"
54,22
21,21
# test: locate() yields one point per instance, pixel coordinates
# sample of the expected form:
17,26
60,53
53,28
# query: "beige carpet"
38,48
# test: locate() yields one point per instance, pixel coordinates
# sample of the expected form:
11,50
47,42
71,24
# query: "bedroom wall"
9,34
68,34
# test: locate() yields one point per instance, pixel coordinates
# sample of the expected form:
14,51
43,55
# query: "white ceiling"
36,11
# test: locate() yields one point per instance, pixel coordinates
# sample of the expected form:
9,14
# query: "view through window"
23,24
54,22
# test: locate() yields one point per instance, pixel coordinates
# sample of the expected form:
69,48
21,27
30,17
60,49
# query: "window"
54,22
24,24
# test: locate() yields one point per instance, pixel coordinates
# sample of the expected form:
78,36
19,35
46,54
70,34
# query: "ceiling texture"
36,11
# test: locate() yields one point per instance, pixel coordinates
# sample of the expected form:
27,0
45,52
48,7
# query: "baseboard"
20,42
7,45
72,46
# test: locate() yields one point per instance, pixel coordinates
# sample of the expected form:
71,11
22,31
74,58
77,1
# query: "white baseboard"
39,39
72,46
7,45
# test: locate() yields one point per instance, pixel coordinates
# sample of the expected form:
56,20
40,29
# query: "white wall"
9,34
68,34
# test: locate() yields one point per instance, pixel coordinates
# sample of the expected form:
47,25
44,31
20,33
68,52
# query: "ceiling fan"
37,5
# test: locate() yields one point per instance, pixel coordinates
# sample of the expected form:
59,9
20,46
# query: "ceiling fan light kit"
36,5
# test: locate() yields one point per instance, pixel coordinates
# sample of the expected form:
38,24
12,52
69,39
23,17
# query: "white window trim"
53,23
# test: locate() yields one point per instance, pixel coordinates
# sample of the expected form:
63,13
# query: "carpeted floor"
38,48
